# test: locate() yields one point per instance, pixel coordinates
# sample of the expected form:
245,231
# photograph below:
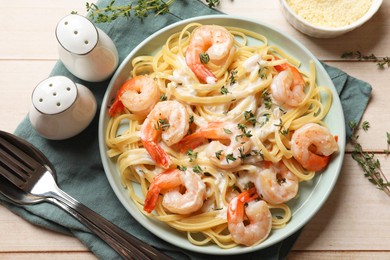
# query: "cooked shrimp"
216,42
168,119
169,183
139,95
287,88
277,183
258,214
228,149
312,145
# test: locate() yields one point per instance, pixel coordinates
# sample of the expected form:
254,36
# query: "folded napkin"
77,161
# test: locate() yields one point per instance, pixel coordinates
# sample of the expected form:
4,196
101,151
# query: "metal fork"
29,180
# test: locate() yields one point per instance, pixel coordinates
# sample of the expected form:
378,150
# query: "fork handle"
130,243
125,253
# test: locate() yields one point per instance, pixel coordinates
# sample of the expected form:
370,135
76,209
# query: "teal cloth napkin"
77,161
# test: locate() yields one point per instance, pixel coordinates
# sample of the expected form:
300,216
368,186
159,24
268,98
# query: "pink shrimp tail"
151,197
296,74
116,107
209,131
191,142
236,207
157,153
202,73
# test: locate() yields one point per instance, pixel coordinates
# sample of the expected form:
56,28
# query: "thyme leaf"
181,168
267,99
250,117
232,77
212,3
224,90
162,124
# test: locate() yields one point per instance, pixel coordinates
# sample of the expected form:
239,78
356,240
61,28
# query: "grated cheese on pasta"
330,13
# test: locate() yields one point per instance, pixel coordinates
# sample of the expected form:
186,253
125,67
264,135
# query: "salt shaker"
85,50
61,108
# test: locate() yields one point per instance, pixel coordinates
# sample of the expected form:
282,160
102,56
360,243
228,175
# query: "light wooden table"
353,224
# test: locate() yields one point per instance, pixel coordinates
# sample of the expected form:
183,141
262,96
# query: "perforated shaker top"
77,34
54,95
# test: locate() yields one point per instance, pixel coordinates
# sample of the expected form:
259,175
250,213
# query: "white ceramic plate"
312,194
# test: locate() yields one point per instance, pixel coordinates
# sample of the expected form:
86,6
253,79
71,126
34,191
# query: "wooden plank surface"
354,223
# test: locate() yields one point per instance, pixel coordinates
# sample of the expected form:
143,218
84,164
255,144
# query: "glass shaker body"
85,50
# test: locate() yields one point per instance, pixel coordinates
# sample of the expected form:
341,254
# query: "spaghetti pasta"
219,119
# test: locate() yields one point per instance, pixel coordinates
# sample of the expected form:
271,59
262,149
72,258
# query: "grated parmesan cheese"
330,13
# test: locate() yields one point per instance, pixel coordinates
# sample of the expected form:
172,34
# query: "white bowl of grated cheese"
328,19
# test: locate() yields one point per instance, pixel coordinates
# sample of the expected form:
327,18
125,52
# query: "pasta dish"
218,133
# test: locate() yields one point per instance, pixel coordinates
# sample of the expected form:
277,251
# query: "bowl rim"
375,5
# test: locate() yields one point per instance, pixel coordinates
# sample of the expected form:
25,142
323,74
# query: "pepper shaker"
85,50
61,108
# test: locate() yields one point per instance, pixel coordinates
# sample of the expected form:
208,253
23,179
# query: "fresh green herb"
267,99
264,119
347,54
284,131
181,168
212,3
162,124
235,188
191,119
365,126
232,77
227,131
230,157
193,155
262,72
244,131
250,117
207,174
248,185
387,151
256,152
224,90
367,161
243,155
280,123
385,61
388,138
163,97
204,58
141,9
282,110
380,62
197,169
218,154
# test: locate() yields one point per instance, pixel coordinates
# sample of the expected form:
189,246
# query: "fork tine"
14,147
16,165
11,177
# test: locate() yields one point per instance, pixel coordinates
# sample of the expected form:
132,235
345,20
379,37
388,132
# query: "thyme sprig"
367,161
380,62
139,8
